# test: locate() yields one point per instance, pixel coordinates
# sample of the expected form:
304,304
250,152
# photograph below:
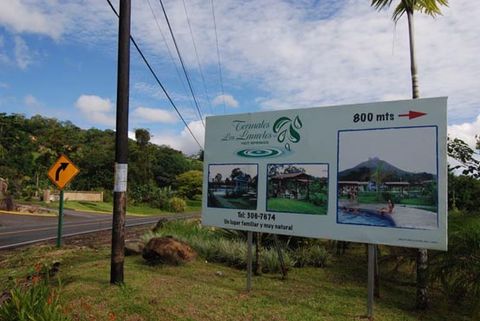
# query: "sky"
58,59
410,149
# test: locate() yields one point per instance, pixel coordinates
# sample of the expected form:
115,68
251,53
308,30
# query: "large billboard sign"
373,173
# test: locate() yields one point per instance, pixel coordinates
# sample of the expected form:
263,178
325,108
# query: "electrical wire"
169,51
158,80
198,59
218,55
181,61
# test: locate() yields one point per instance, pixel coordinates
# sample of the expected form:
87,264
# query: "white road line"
68,235
128,224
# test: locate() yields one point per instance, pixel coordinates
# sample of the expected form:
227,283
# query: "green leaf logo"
287,130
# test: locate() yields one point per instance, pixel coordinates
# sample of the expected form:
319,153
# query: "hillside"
29,146
366,170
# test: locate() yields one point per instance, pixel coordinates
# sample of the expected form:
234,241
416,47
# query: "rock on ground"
133,247
168,250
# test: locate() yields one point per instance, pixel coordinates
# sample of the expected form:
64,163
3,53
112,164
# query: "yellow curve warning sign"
62,172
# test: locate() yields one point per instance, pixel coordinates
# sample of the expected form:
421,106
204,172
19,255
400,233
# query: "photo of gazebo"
297,188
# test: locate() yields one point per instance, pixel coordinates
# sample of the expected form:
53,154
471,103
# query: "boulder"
168,250
133,247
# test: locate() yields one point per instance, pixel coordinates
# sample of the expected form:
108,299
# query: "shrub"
271,263
314,255
107,196
177,205
189,183
197,197
458,270
318,198
161,198
36,302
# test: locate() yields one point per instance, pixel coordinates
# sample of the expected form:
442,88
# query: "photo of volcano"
388,177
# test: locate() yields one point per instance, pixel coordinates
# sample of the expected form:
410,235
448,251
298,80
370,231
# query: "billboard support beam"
371,285
280,257
249,260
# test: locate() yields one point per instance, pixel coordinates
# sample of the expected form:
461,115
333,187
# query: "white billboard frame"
259,169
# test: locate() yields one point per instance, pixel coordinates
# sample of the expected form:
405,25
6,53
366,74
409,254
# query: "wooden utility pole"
121,145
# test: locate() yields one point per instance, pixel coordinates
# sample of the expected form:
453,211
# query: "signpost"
371,173
61,173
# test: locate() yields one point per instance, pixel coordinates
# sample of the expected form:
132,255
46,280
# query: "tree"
141,157
293,169
142,136
460,151
379,176
431,8
236,172
189,183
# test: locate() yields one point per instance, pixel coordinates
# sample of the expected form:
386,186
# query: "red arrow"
412,114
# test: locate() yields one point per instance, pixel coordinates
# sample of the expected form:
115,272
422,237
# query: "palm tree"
431,8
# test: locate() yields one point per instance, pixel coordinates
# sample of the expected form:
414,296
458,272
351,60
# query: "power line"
218,55
169,51
158,80
181,61
198,59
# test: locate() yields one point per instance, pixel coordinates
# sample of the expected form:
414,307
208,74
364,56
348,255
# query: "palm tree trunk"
422,254
413,63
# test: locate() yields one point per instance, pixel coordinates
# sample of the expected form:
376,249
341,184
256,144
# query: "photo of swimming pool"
364,217
380,184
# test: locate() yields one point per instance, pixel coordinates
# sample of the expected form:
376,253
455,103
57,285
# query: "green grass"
416,201
204,291
294,206
107,207
371,198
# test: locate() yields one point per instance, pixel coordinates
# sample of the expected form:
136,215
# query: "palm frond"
428,7
402,7
381,4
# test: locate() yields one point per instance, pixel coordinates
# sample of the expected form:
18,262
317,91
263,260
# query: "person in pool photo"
388,209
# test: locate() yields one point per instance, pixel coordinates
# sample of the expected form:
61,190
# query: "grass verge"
207,291
107,207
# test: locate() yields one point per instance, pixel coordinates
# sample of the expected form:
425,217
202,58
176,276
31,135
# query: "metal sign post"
61,173
249,260
371,270
60,220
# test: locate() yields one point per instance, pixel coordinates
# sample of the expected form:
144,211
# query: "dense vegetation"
29,146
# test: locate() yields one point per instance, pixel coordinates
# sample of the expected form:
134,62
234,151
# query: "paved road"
17,230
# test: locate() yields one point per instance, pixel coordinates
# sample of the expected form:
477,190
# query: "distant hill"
365,171
29,146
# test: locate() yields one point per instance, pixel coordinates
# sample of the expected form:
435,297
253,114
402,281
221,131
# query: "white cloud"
31,101
228,100
96,109
466,131
292,53
40,17
23,57
184,140
145,114
338,52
